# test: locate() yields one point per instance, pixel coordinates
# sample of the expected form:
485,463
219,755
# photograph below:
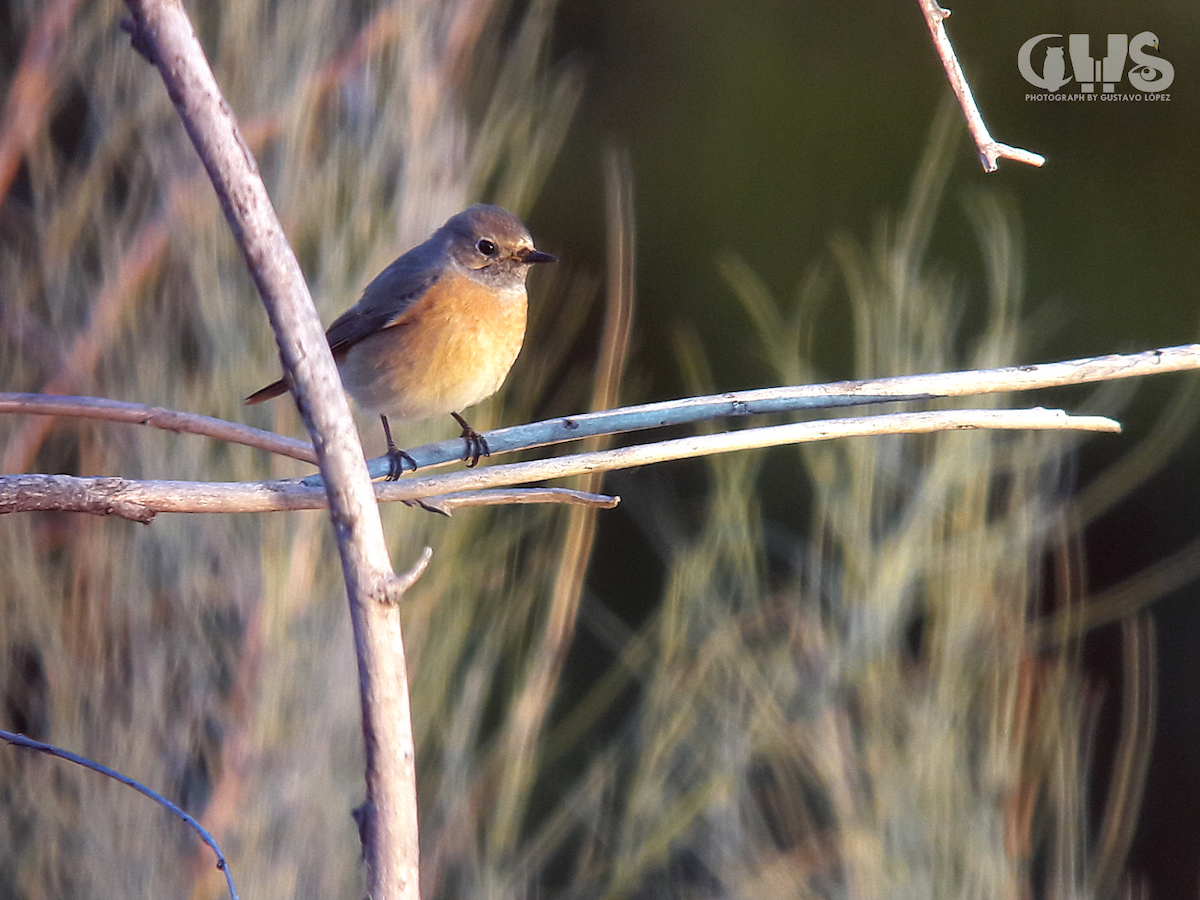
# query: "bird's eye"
486,247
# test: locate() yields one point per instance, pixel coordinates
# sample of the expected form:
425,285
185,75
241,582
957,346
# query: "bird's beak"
535,256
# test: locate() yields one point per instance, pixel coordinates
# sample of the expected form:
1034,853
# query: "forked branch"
990,150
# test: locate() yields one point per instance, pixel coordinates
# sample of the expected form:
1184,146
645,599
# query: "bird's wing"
387,300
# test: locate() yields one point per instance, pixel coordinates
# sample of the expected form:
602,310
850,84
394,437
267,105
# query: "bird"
438,330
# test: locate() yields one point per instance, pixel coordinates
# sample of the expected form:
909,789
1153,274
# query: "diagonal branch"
990,150
162,33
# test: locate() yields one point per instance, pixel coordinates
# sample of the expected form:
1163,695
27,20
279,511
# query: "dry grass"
885,720
881,721
211,658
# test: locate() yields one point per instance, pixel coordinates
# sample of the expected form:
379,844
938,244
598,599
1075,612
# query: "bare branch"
156,417
447,503
19,740
143,499
990,150
818,396
67,493
656,415
161,31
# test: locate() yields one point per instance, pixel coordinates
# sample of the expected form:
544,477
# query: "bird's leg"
396,457
477,444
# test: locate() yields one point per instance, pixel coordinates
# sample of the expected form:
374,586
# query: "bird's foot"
397,458
476,443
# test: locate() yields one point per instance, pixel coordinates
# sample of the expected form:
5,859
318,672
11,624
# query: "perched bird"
438,329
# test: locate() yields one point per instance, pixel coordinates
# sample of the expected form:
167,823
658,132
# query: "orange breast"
451,351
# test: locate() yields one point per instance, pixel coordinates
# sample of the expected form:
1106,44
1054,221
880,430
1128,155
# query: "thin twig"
141,500
401,583
990,150
156,417
448,503
20,740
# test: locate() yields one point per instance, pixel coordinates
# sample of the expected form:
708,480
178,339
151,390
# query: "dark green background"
766,128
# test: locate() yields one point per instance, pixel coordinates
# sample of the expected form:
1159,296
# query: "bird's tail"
274,389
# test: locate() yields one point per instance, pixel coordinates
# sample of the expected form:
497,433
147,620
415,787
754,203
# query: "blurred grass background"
804,673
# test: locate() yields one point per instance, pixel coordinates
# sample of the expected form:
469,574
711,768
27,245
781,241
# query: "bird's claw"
476,444
397,459
395,456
